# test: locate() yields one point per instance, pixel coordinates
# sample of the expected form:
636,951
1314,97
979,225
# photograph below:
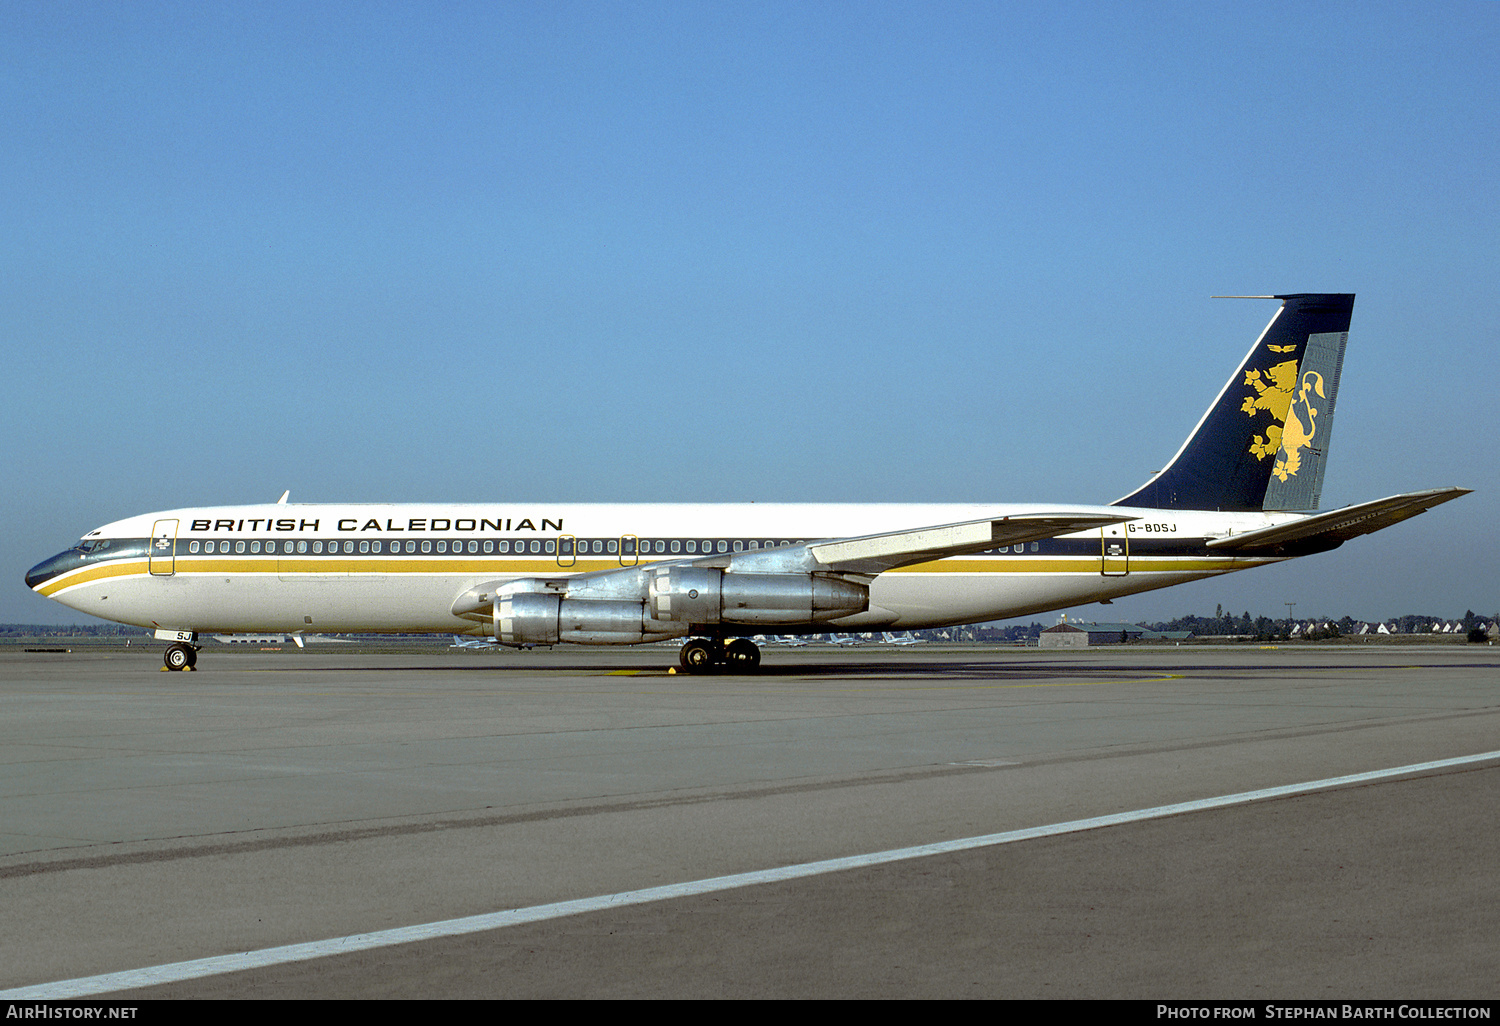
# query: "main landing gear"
709,655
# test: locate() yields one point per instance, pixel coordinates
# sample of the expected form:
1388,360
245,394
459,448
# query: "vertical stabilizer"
1263,444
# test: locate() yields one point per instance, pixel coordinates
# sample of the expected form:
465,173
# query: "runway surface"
269,799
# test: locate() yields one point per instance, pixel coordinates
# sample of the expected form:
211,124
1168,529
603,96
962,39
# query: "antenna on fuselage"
282,501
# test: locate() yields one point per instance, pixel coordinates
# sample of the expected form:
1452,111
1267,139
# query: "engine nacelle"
530,618
690,594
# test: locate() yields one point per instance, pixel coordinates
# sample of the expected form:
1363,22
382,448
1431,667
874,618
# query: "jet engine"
531,618
653,604
704,595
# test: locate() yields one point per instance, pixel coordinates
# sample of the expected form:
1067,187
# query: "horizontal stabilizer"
1339,525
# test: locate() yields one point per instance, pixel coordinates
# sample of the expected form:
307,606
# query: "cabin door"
162,559
1114,551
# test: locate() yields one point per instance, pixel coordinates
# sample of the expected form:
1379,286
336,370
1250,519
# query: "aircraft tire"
697,656
742,656
179,657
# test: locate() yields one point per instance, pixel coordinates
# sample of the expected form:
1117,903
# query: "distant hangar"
1088,635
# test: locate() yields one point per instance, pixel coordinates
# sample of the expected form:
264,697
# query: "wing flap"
1339,525
874,554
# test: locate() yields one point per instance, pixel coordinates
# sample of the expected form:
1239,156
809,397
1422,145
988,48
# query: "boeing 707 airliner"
1240,493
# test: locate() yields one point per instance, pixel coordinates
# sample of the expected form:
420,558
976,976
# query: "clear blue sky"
775,251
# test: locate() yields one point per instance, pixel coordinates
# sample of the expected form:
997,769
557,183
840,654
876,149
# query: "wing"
873,554
864,556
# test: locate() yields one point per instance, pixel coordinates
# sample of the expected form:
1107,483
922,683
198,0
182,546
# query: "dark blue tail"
1263,444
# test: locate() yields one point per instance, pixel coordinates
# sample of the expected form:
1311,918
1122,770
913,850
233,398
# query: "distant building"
1064,635
1086,635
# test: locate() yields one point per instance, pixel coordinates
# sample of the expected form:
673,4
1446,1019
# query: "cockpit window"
97,545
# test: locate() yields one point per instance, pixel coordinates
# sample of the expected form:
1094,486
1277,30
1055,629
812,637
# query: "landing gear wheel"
181,657
742,655
697,656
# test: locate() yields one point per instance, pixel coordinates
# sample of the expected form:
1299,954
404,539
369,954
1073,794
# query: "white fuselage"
399,568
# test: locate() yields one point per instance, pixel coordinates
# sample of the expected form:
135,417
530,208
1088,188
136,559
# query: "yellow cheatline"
378,566
1076,565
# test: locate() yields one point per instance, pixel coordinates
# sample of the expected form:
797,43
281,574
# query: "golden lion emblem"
1294,416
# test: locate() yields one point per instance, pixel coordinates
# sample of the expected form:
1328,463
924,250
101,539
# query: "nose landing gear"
183,653
181,657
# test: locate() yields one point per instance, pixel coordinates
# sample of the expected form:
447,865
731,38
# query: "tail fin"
1263,444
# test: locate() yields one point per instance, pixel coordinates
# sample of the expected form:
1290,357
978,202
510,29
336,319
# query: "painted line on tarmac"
198,968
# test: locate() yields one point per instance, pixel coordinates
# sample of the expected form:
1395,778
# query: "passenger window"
723,546
548,547
192,546
489,546
239,546
426,546
610,547
442,546
473,546
692,546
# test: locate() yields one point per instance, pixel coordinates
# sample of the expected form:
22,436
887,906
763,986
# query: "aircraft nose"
50,568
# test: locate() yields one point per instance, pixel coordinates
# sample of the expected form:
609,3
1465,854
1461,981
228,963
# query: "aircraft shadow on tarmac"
895,669
898,669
